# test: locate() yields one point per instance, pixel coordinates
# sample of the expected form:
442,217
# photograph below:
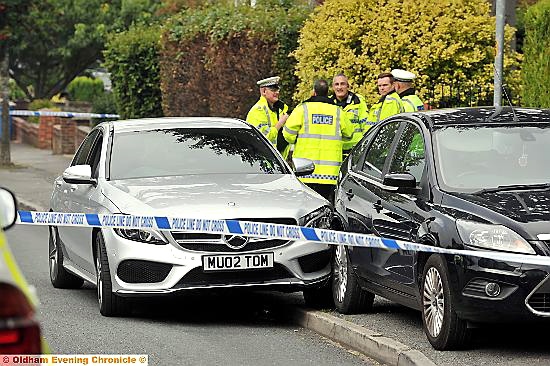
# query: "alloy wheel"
98,280
53,253
433,302
341,272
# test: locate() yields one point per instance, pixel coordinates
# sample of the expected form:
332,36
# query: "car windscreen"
471,158
183,151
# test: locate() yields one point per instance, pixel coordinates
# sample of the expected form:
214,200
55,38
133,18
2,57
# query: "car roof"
145,124
484,116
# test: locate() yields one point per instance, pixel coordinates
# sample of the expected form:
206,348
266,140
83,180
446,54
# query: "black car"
472,178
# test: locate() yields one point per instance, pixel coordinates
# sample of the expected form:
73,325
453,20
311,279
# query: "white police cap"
403,75
272,82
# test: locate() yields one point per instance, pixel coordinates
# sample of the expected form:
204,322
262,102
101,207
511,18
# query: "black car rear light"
19,332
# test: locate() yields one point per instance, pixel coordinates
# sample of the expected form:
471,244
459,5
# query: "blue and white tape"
256,229
20,112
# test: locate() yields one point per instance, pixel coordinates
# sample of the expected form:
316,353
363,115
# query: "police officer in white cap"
405,89
269,114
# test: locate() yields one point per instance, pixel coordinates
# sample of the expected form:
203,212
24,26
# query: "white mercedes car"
210,168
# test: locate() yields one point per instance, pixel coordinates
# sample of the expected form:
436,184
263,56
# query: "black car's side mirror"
404,182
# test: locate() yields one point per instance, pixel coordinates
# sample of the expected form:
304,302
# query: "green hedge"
536,63
85,89
212,56
132,58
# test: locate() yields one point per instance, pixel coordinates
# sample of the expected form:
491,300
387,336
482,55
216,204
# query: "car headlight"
495,237
320,218
144,236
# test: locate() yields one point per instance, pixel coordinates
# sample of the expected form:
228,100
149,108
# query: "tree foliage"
536,65
53,41
132,58
442,41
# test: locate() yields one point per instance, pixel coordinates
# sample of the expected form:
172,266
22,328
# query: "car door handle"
350,194
378,206
74,187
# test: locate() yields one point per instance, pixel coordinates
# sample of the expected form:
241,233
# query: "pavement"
31,179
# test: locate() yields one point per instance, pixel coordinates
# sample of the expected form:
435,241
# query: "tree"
8,22
56,40
443,41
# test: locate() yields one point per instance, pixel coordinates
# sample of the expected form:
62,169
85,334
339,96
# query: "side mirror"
8,209
303,166
79,174
404,182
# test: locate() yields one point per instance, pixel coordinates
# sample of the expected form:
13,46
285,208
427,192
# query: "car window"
81,155
359,150
409,156
95,155
379,150
184,151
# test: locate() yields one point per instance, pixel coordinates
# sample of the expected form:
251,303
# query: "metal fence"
456,95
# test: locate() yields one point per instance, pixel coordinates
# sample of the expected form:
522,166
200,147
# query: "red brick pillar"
68,136
45,131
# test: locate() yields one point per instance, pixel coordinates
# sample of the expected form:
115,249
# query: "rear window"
184,151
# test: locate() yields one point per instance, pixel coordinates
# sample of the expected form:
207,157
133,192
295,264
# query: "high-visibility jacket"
411,101
265,118
10,272
387,106
318,129
356,108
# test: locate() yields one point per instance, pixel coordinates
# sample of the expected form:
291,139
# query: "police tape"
20,112
257,229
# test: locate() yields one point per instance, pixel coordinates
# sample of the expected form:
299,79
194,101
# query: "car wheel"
349,297
444,329
320,297
59,276
110,304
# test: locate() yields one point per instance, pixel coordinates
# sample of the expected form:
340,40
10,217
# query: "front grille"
540,302
315,262
198,277
201,242
138,271
220,246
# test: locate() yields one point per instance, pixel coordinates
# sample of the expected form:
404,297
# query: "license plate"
237,261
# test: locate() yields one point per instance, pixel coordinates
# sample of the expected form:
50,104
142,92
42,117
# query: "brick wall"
45,131
25,132
56,140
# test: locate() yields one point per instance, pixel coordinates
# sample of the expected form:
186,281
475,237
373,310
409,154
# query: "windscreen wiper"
514,187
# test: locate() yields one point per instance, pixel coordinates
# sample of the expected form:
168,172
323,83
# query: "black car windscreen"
183,151
471,158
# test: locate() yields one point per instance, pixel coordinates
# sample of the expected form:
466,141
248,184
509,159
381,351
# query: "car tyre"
319,297
349,297
110,304
444,329
59,276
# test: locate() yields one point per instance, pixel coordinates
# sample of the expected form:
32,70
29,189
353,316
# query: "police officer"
354,105
318,127
404,87
389,104
269,114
